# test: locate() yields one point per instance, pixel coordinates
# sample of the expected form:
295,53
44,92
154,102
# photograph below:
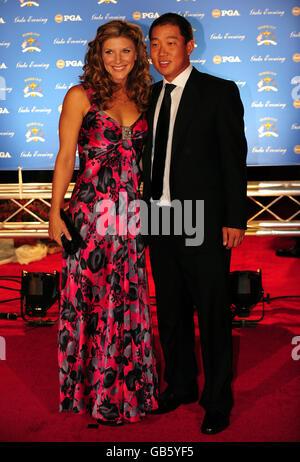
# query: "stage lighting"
246,291
39,291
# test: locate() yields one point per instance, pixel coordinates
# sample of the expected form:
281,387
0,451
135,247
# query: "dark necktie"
160,146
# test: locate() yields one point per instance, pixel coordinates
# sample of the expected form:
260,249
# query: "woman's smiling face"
119,55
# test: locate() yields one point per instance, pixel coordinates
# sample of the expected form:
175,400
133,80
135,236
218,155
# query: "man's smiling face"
169,53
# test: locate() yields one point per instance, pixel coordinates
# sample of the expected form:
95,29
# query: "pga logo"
69,63
230,13
137,15
72,17
231,59
150,15
67,17
226,59
5,155
216,13
74,63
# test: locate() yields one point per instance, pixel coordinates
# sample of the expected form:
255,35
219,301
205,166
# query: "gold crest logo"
107,1
267,82
266,36
31,42
268,128
34,132
32,87
28,3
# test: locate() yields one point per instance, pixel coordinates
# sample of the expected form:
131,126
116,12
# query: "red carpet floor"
266,368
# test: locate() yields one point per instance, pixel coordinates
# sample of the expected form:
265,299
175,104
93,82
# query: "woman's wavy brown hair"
98,79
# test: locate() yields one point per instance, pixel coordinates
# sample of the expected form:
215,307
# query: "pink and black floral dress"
105,340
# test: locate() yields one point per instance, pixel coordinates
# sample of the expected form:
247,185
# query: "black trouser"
183,280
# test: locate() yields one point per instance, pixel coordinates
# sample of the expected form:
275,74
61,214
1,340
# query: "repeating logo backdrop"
256,43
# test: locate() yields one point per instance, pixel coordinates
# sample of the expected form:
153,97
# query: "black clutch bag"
77,242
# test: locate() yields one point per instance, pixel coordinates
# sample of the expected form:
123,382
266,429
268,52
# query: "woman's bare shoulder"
76,96
76,92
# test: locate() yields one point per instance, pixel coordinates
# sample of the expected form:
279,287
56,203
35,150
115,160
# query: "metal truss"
274,208
21,197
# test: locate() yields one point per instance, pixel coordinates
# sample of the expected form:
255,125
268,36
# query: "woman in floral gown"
105,343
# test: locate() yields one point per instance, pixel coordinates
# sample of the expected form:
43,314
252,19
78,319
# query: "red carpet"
266,369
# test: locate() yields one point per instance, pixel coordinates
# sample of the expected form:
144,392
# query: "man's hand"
232,237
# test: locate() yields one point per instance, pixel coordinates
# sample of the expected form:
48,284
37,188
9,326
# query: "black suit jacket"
208,159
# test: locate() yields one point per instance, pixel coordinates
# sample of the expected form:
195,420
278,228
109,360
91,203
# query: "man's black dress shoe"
214,422
168,401
112,423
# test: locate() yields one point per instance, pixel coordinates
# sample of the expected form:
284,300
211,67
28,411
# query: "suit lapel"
185,111
154,97
150,116
184,115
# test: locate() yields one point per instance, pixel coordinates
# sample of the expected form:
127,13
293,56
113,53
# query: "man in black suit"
196,154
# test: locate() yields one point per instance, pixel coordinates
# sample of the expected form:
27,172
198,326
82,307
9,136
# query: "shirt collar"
181,79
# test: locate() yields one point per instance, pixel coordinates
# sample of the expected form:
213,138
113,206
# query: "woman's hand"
75,105
57,227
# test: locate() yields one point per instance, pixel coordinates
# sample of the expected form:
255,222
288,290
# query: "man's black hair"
176,20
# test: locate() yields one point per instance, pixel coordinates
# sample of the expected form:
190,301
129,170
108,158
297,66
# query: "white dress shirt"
180,82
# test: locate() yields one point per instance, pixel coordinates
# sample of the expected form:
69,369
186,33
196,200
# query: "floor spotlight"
39,291
246,291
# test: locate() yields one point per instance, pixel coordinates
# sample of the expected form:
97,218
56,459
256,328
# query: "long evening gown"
105,341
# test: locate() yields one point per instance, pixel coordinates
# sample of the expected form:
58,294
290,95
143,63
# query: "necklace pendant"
126,133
